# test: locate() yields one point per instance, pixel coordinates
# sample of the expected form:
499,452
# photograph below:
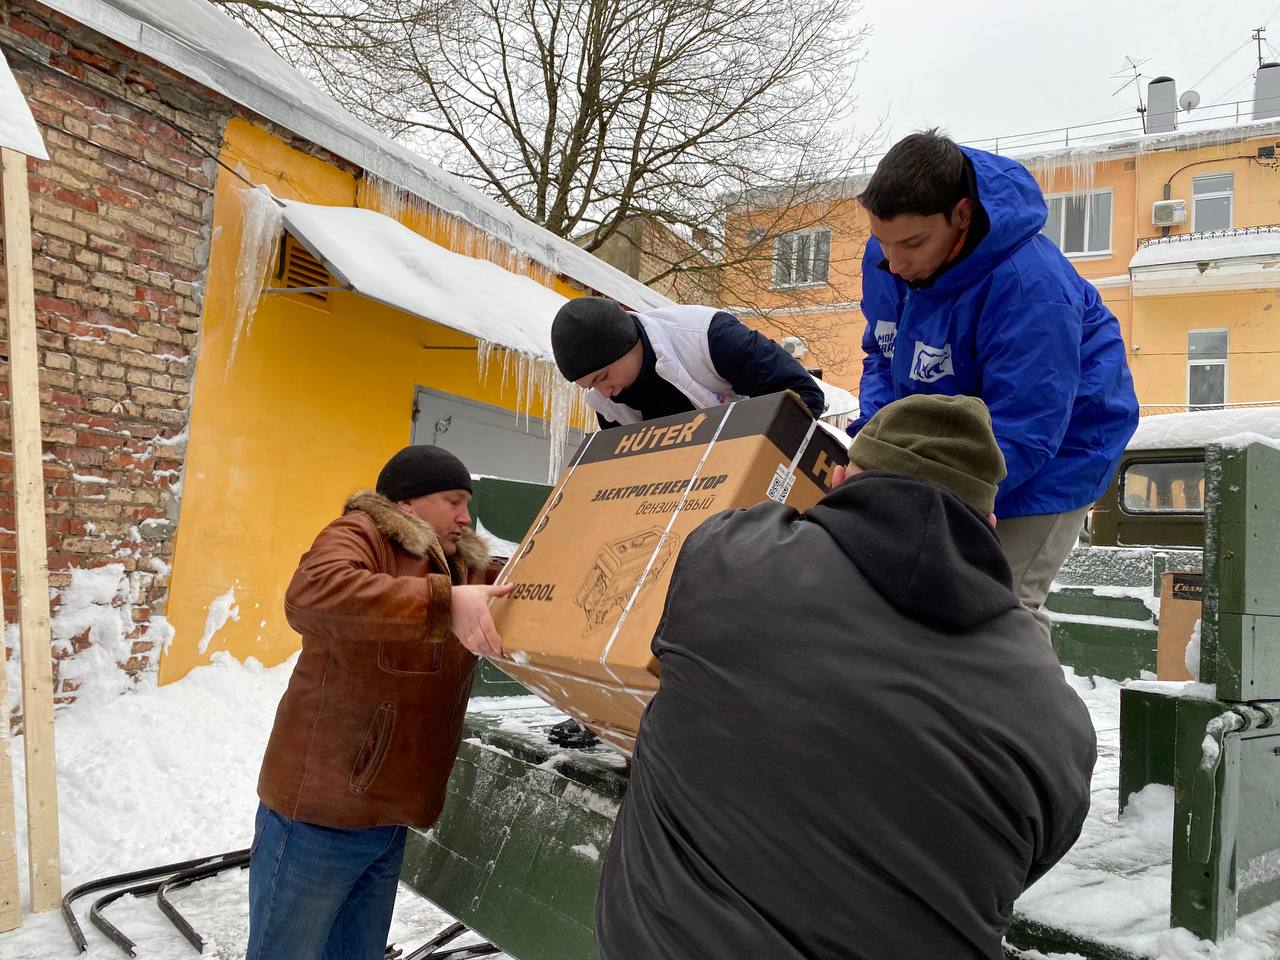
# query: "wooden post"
43,857
10,902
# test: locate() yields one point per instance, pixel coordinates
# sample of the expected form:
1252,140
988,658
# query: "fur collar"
416,535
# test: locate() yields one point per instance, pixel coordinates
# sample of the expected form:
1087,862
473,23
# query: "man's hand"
472,623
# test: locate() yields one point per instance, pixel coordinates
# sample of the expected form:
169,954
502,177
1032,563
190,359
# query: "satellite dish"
795,346
1189,100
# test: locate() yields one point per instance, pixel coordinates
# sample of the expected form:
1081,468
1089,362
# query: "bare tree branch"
701,117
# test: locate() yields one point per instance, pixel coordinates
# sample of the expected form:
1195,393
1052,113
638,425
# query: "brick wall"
121,216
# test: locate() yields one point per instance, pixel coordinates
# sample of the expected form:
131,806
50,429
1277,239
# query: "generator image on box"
619,568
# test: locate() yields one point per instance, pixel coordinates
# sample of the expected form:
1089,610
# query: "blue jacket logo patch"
931,363
886,333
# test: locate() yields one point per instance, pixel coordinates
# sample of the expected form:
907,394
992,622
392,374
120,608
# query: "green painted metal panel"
1105,650
1205,824
1212,662
1247,656
1239,652
1249,559
1258,844
515,856
1083,601
491,682
508,507
1147,724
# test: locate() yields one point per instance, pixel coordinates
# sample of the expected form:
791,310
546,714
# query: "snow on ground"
1114,883
162,774
158,775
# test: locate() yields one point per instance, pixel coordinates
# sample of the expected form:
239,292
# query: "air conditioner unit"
795,346
1169,213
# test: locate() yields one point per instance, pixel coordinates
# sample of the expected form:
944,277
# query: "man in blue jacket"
964,294
640,366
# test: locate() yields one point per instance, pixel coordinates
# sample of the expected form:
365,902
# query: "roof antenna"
1132,66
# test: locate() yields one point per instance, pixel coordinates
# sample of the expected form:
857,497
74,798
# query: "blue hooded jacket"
1014,324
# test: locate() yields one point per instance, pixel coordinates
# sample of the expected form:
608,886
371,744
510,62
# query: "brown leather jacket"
367,731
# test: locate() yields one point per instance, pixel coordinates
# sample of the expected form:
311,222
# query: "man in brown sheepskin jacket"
392,605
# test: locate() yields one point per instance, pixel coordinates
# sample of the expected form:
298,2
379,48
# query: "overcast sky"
1002,67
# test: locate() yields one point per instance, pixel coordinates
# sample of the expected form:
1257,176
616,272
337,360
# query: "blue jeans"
319,893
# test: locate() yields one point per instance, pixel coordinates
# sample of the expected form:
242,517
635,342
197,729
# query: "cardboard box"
1179,610
592,573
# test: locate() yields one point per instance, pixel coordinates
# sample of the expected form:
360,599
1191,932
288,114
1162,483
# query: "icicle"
561,403
1076,167
451,231
259,247
540,392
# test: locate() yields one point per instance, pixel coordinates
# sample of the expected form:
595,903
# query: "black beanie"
589,333
945,440
417,471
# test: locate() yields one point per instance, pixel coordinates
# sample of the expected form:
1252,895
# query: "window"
1163,487
1080,223
1207,369
801,257
1212,200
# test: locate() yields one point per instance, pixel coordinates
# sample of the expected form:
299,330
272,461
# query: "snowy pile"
164,774
1114,884
159,775
1232,427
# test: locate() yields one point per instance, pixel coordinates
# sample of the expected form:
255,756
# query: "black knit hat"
589,333
945,440
417,471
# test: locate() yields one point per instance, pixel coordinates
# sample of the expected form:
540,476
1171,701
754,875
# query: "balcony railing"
1227,113
1261,230
1152,409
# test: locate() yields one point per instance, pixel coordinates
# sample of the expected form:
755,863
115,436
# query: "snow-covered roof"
195,39
1199,427
1111,147
840,402
1207,247
384,260
380,258
1080,155
18,129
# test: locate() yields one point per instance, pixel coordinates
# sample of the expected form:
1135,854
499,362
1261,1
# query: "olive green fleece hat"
945,440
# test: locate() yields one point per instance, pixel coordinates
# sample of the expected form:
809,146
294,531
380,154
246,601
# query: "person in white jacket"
639,366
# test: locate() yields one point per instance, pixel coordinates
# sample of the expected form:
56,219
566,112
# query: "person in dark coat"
640,366
392,605
857,749
964,294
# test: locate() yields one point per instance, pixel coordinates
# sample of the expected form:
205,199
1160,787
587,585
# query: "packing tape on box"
546,509
626,610
784,479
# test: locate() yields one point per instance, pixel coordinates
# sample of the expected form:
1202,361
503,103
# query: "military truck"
516,855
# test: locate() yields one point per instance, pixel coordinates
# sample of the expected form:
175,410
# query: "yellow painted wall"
822,308
309,410
1158,350
1118,176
